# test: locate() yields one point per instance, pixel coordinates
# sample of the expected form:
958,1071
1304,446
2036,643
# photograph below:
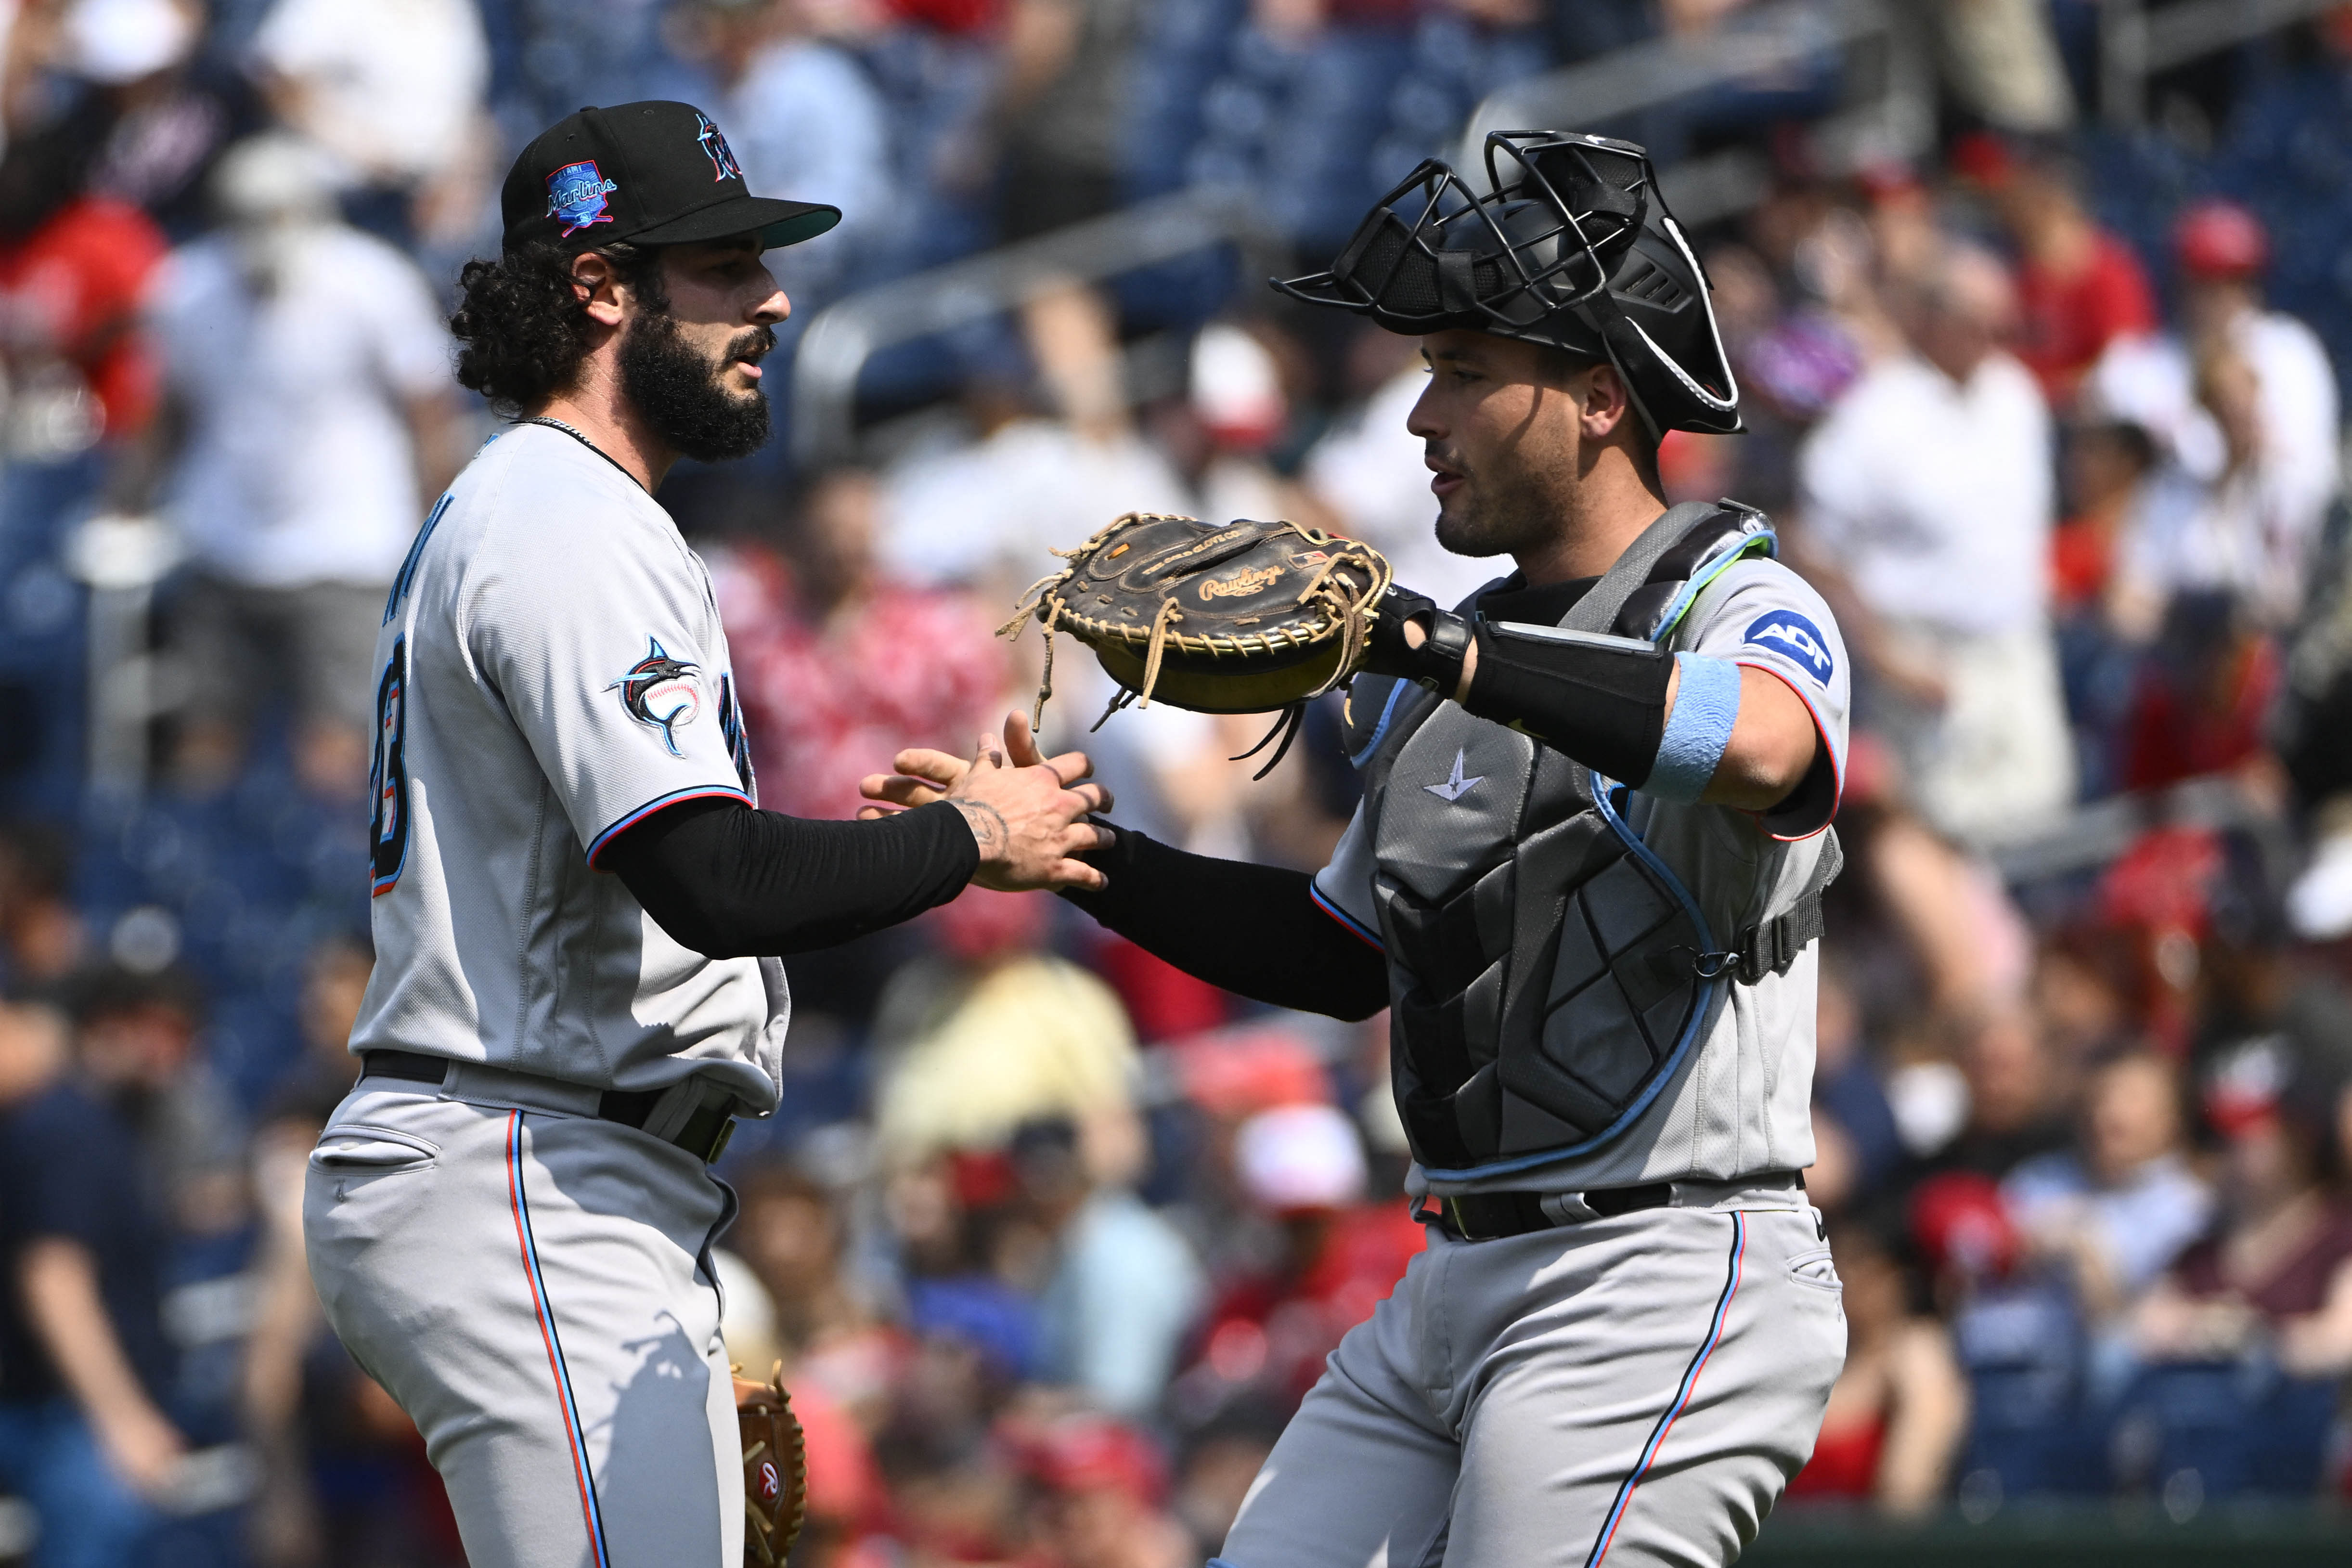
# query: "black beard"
676,390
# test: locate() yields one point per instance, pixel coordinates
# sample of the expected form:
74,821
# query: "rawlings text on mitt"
775,1470
1246,617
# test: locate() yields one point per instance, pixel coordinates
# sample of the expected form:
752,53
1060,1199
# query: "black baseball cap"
655,173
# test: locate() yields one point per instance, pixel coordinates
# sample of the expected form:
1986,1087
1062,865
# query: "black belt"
704,1136
1491,1217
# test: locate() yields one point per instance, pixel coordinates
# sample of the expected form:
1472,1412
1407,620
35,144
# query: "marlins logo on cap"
1792,637
576,193
723,157
661,691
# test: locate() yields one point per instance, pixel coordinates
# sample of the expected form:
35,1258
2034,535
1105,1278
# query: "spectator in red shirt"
1268,1330
2078,286
2204,694
2102,625
839,669
2277,1268
2106,464
73,269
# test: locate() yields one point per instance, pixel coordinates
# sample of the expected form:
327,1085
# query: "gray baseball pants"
530,1283
1628,1390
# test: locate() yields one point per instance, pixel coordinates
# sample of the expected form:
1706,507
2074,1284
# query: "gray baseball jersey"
1741,1104
552,669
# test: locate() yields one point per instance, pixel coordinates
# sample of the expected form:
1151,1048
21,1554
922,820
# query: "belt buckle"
672,1118
1451,1207
718,1144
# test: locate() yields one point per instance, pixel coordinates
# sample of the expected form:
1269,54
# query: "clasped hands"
1027,811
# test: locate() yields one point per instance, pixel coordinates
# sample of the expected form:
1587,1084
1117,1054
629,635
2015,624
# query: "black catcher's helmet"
1574,248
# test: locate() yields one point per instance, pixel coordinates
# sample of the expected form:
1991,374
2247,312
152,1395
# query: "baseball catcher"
1584,880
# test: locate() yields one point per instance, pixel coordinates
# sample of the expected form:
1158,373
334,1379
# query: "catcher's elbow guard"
1601,700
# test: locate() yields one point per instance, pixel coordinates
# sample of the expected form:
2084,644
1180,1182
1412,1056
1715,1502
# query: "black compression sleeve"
728,880
1253,930
1601,700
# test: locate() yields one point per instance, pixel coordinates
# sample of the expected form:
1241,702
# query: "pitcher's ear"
597,285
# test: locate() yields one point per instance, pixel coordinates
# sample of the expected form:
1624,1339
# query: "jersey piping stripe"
591,1515
1682,1395
1353,926
697,792
1821,728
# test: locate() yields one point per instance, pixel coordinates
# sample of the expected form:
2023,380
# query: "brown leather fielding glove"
1238,617
775,1470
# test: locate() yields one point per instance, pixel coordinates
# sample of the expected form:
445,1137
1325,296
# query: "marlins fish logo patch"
661,691
576,193
1792,637
723,157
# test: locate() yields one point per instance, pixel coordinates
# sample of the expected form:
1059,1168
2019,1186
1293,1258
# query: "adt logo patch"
1791,636
576,193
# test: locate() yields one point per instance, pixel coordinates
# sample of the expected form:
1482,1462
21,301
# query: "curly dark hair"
521,329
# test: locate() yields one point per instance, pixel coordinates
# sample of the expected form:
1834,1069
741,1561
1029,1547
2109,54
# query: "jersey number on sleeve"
388,774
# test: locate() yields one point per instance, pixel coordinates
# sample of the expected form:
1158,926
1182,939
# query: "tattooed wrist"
987,824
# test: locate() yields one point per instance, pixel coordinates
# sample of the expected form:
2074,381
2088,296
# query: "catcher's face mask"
1572,248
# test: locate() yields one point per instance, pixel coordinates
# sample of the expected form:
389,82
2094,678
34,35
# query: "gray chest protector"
1548,973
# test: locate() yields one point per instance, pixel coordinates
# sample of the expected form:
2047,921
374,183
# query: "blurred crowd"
1049,1239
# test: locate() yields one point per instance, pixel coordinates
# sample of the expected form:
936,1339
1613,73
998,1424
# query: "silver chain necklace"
555,423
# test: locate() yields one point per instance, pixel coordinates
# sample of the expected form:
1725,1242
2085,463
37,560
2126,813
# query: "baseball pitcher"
509,1218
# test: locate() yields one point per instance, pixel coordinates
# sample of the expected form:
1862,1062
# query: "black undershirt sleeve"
1253,930
728,880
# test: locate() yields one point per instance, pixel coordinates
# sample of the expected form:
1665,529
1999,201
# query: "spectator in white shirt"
2249,532
1927,500
308,414
393,91
2151,380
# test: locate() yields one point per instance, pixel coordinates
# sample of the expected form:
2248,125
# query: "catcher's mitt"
775,1470
1248,618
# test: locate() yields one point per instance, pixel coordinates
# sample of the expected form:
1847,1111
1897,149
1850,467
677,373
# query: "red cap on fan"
1083,1452
1984,159
1961,1223
2220,240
